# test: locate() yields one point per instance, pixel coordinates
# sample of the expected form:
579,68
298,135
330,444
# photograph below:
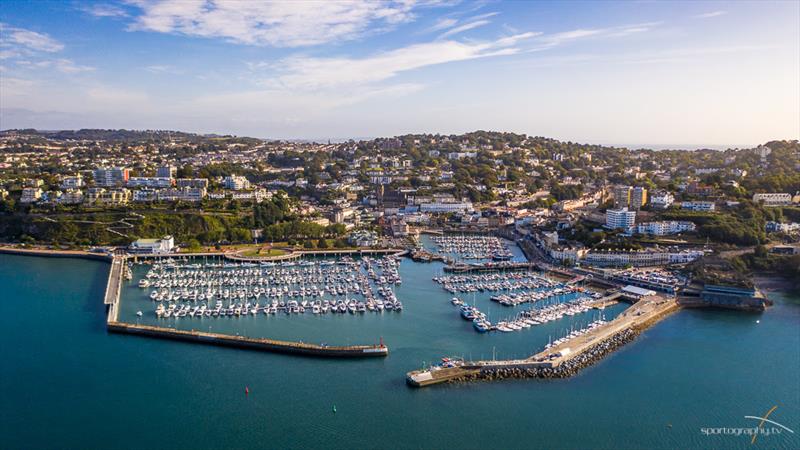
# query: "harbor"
148,381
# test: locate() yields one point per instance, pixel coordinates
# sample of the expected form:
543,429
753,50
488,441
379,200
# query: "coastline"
767,283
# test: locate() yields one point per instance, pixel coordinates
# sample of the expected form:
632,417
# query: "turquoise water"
66,383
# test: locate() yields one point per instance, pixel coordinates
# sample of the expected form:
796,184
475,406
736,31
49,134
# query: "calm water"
66,383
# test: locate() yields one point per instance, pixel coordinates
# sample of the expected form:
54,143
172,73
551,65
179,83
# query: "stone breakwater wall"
567,369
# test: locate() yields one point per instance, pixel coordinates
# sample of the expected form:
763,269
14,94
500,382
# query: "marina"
473,247
228,289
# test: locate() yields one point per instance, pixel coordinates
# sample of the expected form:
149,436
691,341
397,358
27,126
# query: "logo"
761,430
766,419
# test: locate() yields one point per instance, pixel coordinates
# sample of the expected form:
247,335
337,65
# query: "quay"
114,287
13,250
269,345
234,256
562,360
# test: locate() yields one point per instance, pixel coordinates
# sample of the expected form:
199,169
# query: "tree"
322,243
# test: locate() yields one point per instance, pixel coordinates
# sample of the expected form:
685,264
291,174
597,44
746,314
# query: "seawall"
269,345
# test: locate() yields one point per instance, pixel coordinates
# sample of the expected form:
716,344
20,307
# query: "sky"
683,74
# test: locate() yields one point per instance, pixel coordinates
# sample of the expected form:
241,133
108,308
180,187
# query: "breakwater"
243,342
559,361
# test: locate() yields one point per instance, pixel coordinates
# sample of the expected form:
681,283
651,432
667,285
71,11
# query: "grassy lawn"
259,251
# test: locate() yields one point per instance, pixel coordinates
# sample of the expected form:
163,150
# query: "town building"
153,246
662,200
71,197
363,238
30,195
151,182
698,206
187,194
108,196
665,227
638,197
72,182
773,199
166,172
622,196
236,183
620,218
145,195
110,177
192,182
778,227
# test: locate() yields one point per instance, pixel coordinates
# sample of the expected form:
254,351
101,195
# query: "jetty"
249,343
562,360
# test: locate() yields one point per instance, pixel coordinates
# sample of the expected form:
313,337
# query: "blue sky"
655,73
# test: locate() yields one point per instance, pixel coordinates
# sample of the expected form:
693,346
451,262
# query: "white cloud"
279,24
708,15
463,28
63,65
159,69
442,24
20,39
556,39
314,73
104,10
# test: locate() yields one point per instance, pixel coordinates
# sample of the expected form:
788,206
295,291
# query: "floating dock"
562,360
269,345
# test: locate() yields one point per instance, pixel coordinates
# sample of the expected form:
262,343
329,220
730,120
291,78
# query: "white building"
30,195
71,197
151,182
145,195
236,183
665,227
72,182
192,182
773,199
662,200
157,246
620,218
445,207
698,206
184,194
363,238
